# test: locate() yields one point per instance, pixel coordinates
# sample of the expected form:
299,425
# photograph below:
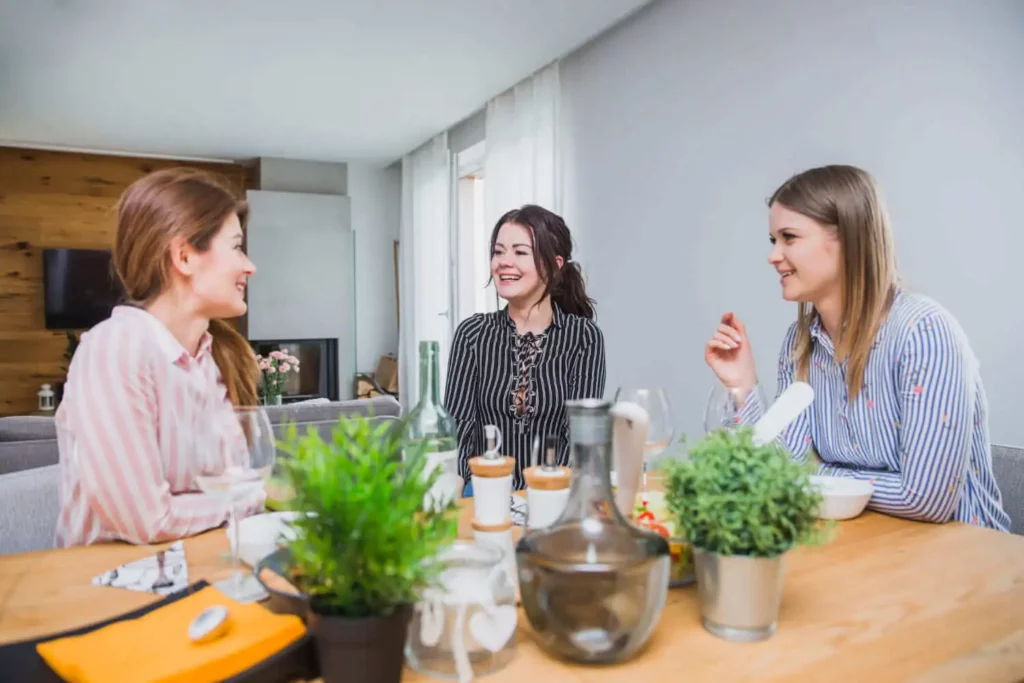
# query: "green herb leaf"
732,497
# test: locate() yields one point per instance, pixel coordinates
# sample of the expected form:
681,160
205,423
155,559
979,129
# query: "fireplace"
318,363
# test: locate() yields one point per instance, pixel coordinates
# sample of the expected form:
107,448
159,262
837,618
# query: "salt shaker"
547,489
492,481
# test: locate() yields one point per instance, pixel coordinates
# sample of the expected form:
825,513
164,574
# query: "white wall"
303,289
684,119
376,193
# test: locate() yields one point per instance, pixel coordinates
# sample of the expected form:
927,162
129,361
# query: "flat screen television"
80,287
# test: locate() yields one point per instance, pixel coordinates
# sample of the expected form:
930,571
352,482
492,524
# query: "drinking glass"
722,410
660,430
245,448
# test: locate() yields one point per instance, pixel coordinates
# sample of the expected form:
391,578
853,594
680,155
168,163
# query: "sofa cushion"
22,455
27,428
29,507
1008,468
380,406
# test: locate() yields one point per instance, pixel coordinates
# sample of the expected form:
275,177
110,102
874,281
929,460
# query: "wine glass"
244,446
724,406
660,430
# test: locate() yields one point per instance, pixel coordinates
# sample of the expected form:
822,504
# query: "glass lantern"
46,399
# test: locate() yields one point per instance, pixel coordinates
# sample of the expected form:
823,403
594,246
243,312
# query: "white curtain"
424,262
521,161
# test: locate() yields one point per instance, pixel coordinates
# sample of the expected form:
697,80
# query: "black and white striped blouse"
520,383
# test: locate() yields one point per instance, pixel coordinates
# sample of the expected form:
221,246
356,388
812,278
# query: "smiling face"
806,254
513,266
218,275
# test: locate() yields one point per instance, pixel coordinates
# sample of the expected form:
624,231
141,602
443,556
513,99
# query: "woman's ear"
560,261
181,256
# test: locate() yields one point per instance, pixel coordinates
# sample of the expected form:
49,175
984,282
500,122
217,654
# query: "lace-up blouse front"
520,383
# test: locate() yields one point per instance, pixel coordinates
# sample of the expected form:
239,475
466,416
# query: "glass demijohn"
593,586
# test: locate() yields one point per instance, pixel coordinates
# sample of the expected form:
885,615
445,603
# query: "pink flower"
293,360
278,355
264,365
283,367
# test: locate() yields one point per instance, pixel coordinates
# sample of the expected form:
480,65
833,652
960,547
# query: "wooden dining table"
886,600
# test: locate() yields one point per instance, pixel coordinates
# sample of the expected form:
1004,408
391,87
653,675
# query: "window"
471,257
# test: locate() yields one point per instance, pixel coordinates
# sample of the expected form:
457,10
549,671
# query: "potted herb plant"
364,545
742,506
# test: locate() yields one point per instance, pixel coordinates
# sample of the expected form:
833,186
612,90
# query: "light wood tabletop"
887,600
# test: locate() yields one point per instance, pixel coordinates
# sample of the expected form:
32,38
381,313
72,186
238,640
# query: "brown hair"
192,204
847,201
551,238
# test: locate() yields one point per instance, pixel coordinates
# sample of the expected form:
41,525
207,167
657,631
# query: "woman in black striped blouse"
517,367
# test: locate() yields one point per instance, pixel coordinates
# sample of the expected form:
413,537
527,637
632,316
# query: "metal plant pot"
739,595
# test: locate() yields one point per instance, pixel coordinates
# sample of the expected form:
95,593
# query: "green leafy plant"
367,547
732,497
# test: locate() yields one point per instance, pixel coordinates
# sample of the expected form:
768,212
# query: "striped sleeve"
116,451
797,437
459,391
934,372
589,370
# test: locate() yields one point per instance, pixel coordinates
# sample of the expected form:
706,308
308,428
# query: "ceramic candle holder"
547,491
492,488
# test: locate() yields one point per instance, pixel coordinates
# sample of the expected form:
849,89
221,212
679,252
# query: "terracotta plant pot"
360,650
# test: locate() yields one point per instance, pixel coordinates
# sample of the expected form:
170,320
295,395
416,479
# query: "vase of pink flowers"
274,371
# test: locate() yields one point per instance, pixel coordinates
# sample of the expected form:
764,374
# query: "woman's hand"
729,355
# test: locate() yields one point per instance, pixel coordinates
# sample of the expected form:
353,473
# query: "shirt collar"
819,335
168,344
557,317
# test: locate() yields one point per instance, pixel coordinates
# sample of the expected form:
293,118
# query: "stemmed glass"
660,430
245,450
722,410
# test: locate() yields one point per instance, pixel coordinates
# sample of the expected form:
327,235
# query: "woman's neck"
186,326
531,316
830,309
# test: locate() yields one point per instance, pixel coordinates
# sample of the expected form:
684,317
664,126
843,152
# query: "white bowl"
262,534
845,498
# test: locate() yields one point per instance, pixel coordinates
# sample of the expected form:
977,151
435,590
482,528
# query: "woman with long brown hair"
143,382
898,398
517,367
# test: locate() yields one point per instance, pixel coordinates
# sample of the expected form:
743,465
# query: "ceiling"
230,79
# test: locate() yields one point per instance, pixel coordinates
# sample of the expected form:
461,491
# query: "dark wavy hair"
551,239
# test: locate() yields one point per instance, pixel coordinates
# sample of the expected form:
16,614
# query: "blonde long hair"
193,204
847,201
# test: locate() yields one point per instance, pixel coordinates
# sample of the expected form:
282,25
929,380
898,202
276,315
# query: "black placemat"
21,662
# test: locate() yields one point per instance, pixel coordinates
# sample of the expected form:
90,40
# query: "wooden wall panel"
62,200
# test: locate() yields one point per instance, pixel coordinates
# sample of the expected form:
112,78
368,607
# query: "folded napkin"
156,647
163,573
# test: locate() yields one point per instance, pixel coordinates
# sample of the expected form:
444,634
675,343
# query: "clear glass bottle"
430,424
592,585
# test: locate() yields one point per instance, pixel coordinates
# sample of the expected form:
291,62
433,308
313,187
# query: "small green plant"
732,497
367,547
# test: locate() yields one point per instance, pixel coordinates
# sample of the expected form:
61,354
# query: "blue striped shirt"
917,430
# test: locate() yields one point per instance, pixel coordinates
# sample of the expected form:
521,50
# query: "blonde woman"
898,396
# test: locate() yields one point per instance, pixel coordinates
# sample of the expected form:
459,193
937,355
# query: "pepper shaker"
547,488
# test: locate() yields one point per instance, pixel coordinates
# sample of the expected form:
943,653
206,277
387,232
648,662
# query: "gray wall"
374,192
304,287
683,120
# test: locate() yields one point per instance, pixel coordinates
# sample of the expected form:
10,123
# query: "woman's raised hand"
729,355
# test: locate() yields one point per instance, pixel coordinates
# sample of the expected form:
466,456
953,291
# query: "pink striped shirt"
130,428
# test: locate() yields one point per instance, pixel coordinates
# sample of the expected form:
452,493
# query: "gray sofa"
31,441
29,503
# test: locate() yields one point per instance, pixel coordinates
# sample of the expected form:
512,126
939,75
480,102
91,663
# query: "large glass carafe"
592,585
